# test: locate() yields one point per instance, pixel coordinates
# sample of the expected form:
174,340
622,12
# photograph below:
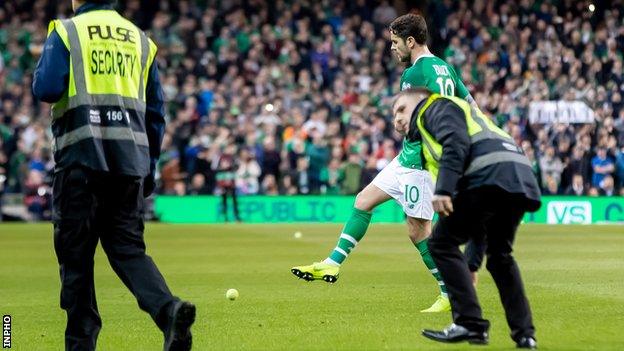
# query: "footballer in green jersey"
426,71
404,179
434,74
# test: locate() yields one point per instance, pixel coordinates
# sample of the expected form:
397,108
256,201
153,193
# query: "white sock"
329,261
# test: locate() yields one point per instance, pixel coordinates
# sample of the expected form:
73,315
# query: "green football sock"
352,233
423,248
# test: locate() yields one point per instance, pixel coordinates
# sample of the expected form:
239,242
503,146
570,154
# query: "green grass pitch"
574,276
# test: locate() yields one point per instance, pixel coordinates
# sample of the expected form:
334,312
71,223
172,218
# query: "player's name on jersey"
441,70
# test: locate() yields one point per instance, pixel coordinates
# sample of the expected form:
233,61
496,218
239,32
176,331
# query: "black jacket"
446,123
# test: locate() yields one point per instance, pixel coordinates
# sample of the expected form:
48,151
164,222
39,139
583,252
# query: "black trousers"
88,207
474,252
491,216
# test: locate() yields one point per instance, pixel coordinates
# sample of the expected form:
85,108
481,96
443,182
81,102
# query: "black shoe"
456,333
178,336
526,342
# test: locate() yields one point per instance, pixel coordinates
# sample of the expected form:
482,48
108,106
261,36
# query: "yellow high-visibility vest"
110,58
100,120
480,127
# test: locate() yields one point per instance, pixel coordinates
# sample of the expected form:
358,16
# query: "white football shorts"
411,188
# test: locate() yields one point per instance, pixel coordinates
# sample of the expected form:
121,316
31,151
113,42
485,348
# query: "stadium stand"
297,93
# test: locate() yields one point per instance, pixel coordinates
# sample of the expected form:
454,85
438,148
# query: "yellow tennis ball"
231,294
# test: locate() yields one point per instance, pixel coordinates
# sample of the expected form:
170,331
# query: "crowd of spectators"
292,97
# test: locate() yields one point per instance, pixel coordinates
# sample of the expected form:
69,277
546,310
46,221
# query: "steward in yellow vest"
98,70
463,149
99,120
484,185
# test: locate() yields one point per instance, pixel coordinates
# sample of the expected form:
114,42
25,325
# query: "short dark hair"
410,91
410,25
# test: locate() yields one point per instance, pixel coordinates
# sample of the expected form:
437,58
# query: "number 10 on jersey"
447,87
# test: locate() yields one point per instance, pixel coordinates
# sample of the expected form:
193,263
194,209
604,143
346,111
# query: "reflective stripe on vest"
480,128
432,149
492,158
104,133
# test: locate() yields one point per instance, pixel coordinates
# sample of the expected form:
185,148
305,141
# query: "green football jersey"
436,75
